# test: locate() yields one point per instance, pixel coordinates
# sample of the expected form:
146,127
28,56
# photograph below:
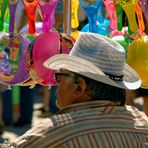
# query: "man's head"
96,59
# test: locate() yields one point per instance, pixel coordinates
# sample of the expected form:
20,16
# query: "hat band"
114,77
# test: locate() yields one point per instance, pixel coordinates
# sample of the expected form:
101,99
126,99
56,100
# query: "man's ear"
81,86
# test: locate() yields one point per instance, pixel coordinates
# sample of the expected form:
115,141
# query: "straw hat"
99,58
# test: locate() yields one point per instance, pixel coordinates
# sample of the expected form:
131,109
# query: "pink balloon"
110,6
45,46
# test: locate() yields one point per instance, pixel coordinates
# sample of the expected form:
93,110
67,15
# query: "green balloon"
3,7
123,41
29,36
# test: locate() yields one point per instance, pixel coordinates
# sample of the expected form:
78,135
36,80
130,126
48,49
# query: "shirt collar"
88,104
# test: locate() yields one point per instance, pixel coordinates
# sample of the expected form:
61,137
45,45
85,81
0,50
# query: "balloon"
124,41
109,4
140,17
116,33
100,18
29,36
130,9
101,28
119,12
12,8
3,6
12,58
45,46
31,7
91,10
137,58
38,26
74,12
47,10
6,27
144,7
75,34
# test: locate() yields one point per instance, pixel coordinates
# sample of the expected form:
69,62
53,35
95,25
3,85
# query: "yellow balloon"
75,34
74,12
137,58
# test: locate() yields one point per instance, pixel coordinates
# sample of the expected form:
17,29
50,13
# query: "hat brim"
78,65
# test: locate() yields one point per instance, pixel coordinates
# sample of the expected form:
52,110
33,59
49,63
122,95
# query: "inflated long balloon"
31,6
3,7
144,6
119,12
12,7
130,8
74,18
74,12
47,9
91,9
140,17
100,17
109,4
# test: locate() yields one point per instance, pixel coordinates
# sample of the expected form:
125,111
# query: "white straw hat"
99,58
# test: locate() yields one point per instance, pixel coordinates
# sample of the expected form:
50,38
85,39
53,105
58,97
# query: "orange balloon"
137,58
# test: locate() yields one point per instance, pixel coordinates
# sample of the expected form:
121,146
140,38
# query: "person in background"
7,103
92,81
2,89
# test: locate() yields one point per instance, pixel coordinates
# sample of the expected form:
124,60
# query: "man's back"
90,125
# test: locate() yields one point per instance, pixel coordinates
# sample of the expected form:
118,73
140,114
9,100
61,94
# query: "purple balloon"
22,73
12,58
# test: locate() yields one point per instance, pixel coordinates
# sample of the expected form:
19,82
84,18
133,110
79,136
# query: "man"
91,95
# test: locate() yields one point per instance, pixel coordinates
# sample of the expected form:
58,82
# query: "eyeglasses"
58,76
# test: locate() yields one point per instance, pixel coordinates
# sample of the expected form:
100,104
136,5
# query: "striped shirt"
94,124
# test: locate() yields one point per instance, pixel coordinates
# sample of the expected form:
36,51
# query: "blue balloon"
100,28
97,23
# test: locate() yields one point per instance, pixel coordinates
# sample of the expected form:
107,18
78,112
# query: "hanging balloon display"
44,46
12,58
137,58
